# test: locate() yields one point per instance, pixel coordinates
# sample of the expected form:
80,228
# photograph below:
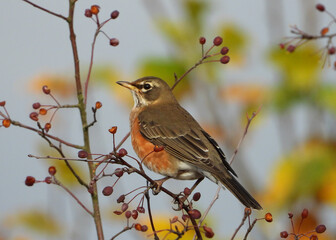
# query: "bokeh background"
287,161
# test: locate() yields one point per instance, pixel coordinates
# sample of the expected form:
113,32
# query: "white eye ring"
147,86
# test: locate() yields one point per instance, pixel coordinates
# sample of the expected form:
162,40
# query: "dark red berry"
121,198
124,207
313,237
224,50
114,42
34,116
82,154
291,48
119,172
141,209
122,152
117,212
197,196
208,232
48,180
331,50
290,215
128,214
158,148
304,213
195,214
185,217
36,105
88,13
52,170
202,40
284,234
225,59
45,89
107,191
135,214
114,14
320,228
282,45
217,41
144,228
320,7
2,103
30,181
187,191
47,127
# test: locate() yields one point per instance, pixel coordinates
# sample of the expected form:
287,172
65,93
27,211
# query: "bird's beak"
127,85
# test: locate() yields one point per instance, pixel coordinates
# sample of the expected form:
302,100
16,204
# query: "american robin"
189,153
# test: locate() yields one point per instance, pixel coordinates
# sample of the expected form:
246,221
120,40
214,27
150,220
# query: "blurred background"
287,161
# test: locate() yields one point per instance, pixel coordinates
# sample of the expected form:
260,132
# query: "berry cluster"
217,41
308,235
302,37
30,180
93,13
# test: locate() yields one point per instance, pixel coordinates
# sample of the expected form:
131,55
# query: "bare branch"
46,10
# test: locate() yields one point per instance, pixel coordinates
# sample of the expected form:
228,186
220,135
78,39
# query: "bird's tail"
239,191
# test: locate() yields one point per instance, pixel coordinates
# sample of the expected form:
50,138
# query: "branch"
240,225
46,10
150,215
122,231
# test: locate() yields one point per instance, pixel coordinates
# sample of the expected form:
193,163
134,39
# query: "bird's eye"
147,86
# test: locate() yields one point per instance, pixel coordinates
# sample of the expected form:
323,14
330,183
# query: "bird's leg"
158,183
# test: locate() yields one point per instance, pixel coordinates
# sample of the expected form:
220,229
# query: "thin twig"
156,237
240,225
122,231
46,10
122,141
250,228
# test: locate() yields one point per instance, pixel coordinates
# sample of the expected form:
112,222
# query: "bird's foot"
156,187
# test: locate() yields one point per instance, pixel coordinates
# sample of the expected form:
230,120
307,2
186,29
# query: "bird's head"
149,90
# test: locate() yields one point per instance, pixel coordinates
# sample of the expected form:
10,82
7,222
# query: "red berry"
320,7
34,116
36,105
291,48
202,40
30,181
141,209
88,13
95,9
331,50
268,217
248,211
135,214
290,215
6,122
43,111
185,217
52,170
114,14
137,226
48,180
208,232
117,212
82,154
45,89
107,191
320,228
282,45
284,234
114,42
113,130
174,219
217,41
304,213
122,152
121,198
2,103
195,214
313,237
124,207
119,172
158,148
197,196
187,191
324,31
144,228
224,50
225,59
47,127
128,214
98,105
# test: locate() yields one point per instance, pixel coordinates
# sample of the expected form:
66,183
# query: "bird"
189,152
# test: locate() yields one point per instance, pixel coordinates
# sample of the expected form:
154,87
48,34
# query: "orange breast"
159,162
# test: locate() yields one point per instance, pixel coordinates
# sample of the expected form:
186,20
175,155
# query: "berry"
268,217
195,214
320,7
331,50
34,116
197,196
124,207
174,219
119,172
88,13
95,9
113,130
114,42
158,148
36,105
141,209
107,191
114,14
187,191
128,214
47,127
185,217
225,59
135,214
208,232
52,170
313,237
117,212
45,89
324,31
304,213
291,48
6,122
282,45
82,154
2,104
30,181
137,226
202,40
47,180
224,50
122,152
98,105
284,234
43,111
121,198
290,215
248,211
217,41
144,228
320,228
